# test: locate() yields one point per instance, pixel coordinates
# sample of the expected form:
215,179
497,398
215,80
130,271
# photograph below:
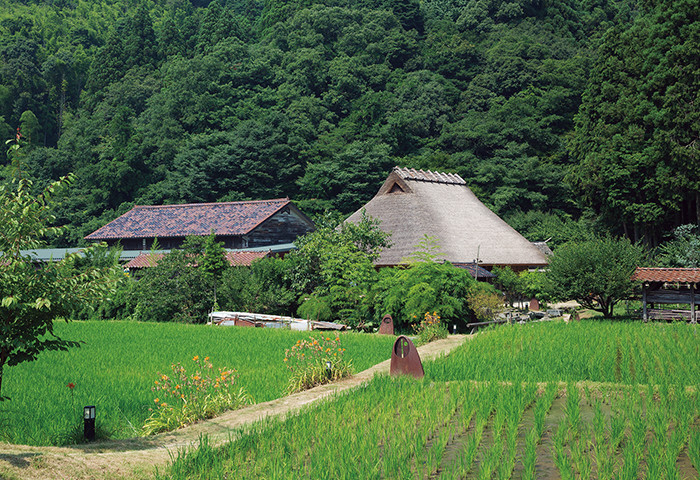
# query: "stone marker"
405,359
387,325
534,304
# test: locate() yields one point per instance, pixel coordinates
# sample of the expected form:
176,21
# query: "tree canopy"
190,101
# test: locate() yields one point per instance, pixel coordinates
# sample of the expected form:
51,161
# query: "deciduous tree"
33,296
595,273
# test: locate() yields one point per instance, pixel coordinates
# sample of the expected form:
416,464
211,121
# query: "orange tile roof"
686,275
244,259
235,259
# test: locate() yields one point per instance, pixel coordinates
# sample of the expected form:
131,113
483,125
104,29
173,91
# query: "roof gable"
225,218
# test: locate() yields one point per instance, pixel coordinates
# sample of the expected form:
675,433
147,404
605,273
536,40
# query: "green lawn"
116,366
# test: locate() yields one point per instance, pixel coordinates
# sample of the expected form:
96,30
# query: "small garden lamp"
328,367
89,422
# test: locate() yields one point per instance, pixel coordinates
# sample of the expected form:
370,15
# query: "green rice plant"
114,367
630,467
694,449
561,459
530,456
617,430
573,409
579,456
654,459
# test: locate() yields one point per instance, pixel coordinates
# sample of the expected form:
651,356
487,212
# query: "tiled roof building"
237,224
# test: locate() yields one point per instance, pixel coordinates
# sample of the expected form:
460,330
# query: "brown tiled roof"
225,218
244,259
235,259
428,176
145,260
687,275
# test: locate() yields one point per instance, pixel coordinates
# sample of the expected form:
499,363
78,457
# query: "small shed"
668,286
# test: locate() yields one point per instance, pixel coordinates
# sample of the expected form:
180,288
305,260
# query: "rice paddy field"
589,399
118,363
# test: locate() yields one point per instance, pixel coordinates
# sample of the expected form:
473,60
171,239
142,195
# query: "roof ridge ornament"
406,173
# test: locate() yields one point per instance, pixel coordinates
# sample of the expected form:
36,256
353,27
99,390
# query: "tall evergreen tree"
637,134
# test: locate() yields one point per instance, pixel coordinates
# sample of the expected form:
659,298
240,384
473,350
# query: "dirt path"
138,457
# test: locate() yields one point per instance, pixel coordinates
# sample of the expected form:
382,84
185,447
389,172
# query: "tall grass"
116,366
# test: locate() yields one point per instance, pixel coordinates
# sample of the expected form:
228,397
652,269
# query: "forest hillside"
561,115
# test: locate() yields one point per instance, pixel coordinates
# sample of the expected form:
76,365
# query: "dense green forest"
556,112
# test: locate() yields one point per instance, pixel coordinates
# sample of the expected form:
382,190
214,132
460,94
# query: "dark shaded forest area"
557,113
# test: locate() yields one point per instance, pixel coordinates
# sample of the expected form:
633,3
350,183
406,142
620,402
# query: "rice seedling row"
462,430
484,412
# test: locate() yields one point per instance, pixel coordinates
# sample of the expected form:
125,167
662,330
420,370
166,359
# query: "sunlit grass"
508,404
592,350
116,366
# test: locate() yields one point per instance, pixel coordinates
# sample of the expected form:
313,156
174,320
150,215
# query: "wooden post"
645,315
692,304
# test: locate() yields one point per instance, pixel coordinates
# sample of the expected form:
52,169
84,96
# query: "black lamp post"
89,422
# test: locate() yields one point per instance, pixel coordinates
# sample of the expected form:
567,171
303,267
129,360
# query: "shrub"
430,328
485,305
176,289
407,293
315,361
183,399
263,288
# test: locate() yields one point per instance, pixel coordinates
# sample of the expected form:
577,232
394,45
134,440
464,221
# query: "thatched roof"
414,203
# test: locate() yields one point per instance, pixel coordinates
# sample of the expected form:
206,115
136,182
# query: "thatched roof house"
414,203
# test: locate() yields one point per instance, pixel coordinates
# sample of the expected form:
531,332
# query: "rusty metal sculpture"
387,325
405,359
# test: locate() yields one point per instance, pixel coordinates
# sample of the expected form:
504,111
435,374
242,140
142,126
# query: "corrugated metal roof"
225,218
473,270
686,275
